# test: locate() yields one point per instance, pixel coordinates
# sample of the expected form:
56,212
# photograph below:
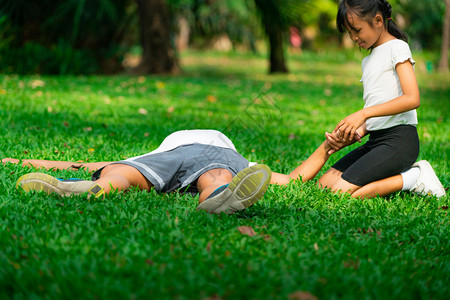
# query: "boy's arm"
56,165
337,141
306,170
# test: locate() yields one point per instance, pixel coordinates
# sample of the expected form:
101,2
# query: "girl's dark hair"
367,9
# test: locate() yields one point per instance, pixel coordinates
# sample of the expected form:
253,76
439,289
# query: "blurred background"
149,36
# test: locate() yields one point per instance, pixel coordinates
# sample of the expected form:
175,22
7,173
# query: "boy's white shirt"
381,82
196,136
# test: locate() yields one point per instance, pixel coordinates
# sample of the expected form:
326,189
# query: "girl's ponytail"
386,10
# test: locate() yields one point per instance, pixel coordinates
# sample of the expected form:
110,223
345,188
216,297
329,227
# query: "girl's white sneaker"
427,183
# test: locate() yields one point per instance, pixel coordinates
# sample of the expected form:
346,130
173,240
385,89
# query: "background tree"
443,63
276,17
93,36
317,24
422,18
210,19
64,36
158,51
275,27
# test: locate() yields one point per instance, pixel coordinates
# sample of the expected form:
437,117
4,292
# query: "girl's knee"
343,186
329,179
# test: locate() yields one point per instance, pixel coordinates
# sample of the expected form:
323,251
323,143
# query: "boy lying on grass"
201,161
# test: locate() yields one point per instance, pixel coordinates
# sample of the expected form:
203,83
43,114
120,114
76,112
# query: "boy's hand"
11,160
337,141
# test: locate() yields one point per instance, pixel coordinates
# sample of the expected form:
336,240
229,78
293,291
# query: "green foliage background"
86,37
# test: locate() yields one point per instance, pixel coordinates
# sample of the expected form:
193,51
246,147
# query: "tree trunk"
443,63
158,54
274,30
277,60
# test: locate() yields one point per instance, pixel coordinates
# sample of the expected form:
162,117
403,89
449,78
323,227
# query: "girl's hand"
350,124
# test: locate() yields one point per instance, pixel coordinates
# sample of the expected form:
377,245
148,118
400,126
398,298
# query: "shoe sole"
247,187
43,182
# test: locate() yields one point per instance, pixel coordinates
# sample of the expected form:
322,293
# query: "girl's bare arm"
408,101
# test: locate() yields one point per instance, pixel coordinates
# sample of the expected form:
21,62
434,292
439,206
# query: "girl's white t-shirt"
381,82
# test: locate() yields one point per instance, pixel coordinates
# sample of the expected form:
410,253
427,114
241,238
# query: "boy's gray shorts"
178,168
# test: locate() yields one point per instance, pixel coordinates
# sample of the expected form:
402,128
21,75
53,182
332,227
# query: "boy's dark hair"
367,9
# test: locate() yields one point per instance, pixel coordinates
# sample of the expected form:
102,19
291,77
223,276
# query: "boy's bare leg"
209,181
113,177
220,191
121,177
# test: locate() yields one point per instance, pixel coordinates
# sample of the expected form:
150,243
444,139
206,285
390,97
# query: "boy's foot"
427,183
49,184
247,187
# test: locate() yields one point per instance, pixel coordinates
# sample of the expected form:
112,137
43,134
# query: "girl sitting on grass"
391,96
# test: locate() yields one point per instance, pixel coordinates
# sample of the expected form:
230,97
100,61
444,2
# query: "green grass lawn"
139,245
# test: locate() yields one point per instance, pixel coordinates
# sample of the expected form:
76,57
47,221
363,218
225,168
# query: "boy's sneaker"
427,183
247,187
64,187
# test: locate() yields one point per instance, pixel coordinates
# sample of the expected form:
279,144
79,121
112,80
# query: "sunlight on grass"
300,240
